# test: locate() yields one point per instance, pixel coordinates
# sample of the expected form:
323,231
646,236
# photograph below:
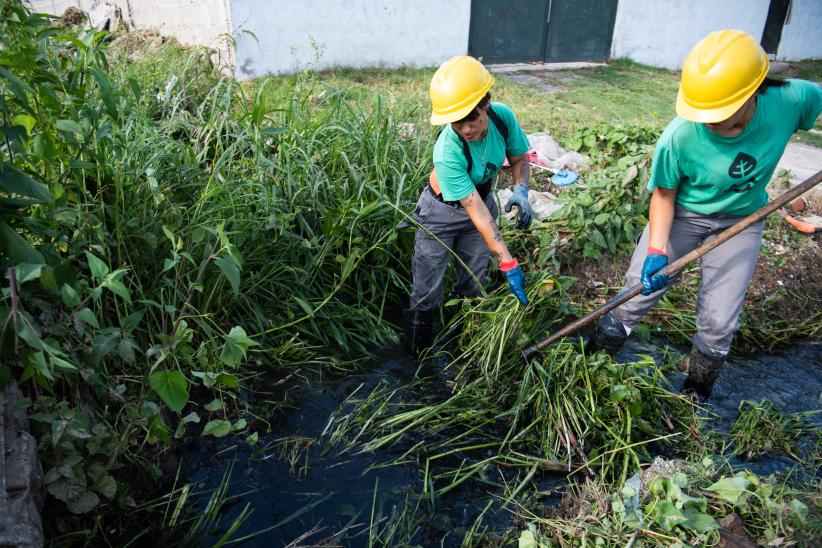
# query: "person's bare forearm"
486,225
520,170
661,217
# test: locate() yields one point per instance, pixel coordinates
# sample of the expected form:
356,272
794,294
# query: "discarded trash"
543,204
806,226
553,156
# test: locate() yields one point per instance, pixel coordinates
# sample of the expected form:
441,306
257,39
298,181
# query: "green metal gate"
522,31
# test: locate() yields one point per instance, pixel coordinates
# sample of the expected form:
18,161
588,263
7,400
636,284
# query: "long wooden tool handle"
679,264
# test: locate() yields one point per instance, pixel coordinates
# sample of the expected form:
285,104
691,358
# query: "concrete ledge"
522,67
21,476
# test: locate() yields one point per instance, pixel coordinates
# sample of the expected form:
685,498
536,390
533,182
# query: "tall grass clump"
562,411
163,242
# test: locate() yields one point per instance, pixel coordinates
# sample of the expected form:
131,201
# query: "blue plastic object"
564,178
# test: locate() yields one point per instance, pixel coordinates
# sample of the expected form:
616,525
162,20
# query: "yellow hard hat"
722,72
456,88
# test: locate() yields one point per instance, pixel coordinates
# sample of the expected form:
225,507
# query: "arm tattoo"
524,172
497,235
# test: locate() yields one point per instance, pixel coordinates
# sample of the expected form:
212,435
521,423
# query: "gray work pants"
726,272
446,230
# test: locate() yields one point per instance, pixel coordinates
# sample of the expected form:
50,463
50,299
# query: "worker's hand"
520,200
654,262
516,279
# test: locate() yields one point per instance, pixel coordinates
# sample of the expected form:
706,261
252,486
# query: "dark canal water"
322,489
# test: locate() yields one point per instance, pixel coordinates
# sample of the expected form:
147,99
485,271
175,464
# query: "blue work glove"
516,280
654,262
520,199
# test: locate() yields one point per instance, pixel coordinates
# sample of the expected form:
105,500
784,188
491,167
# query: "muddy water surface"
309,486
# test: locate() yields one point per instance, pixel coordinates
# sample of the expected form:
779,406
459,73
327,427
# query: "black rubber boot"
418,331
609,335
702,371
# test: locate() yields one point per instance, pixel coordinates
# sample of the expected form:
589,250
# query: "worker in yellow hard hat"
457,212
710,168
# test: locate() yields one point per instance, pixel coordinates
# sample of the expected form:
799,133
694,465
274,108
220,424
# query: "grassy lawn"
622,92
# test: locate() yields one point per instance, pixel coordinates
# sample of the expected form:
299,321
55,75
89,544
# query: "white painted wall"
354,33
802,33
192,22
662,32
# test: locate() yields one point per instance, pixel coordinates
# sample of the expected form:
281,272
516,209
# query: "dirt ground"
792,272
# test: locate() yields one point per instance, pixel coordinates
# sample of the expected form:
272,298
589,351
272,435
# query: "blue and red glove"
655,260
520,199
516,279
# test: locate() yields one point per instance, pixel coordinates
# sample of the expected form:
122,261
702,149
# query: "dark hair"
471,116
769,82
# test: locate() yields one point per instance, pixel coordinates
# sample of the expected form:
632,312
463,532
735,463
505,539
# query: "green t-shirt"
487,155
728,175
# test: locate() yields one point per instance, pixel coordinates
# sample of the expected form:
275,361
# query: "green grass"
621,92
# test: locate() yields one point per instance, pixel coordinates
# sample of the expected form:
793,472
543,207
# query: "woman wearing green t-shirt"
457,210
710,167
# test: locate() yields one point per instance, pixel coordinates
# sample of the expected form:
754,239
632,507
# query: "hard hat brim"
718,114
459,114
706,116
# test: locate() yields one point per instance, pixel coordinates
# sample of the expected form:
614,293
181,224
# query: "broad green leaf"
70,296
598,239
527,540
26,120
119,289
214,405
168,264
62,364
209,378
70,126
618,392
240,424
14,181
172,387
236,345
158,429
16,248
87,316
667,515
228,380
217,428
252,438
83,504
98,268
191,417
733,490
602,218
106,486
231,270
698,521
29,334
130,322
26,272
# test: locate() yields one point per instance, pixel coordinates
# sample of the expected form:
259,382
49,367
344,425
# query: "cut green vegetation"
169,235
761,429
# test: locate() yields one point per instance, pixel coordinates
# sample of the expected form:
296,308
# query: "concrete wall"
292,35
802,33
192,22
662,32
